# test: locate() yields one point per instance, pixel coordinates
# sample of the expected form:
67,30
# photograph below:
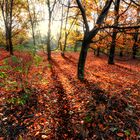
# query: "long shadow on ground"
64,128
106,116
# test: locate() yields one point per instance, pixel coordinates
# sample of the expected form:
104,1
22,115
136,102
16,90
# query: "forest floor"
57,106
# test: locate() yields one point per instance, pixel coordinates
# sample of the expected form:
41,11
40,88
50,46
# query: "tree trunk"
136,36
135,46
112,48
121,53
61,27
7,44
33,34
89,35
82,60
32,19
10,46
65,45
113,43
66,33
10,29
49,38
75,47
98,51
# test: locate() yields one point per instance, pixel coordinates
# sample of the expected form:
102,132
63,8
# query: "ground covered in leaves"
47,101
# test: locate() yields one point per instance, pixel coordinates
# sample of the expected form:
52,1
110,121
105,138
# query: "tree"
7,13
50,5
114,35
66,33
89,34
61,26
136,35
32,18
1,38
13,12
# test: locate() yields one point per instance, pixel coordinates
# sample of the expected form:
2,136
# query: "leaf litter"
56,105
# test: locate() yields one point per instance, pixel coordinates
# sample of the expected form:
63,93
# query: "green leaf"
2,84
12,100
113,129
19,69
3,75
88,119
37,60
21,101
49,65
13,83
127,132
15,59
5,67
25,96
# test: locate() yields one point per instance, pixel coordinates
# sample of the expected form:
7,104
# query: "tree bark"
112,48
98,51
66,32
7,40
61,27
75,47
32,22
65,45
121,53
11,46
48,40
82,60
136,35
113,43
50,12
135,46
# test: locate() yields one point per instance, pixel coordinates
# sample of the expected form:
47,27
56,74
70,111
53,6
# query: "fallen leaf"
120,134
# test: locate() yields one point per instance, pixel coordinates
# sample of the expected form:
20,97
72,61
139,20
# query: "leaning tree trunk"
89,35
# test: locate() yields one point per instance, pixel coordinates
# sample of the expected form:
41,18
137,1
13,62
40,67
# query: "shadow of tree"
102,112
129,69
70,59
64,128
92,90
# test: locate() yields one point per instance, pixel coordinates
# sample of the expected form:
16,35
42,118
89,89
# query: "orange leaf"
120,134
111,117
